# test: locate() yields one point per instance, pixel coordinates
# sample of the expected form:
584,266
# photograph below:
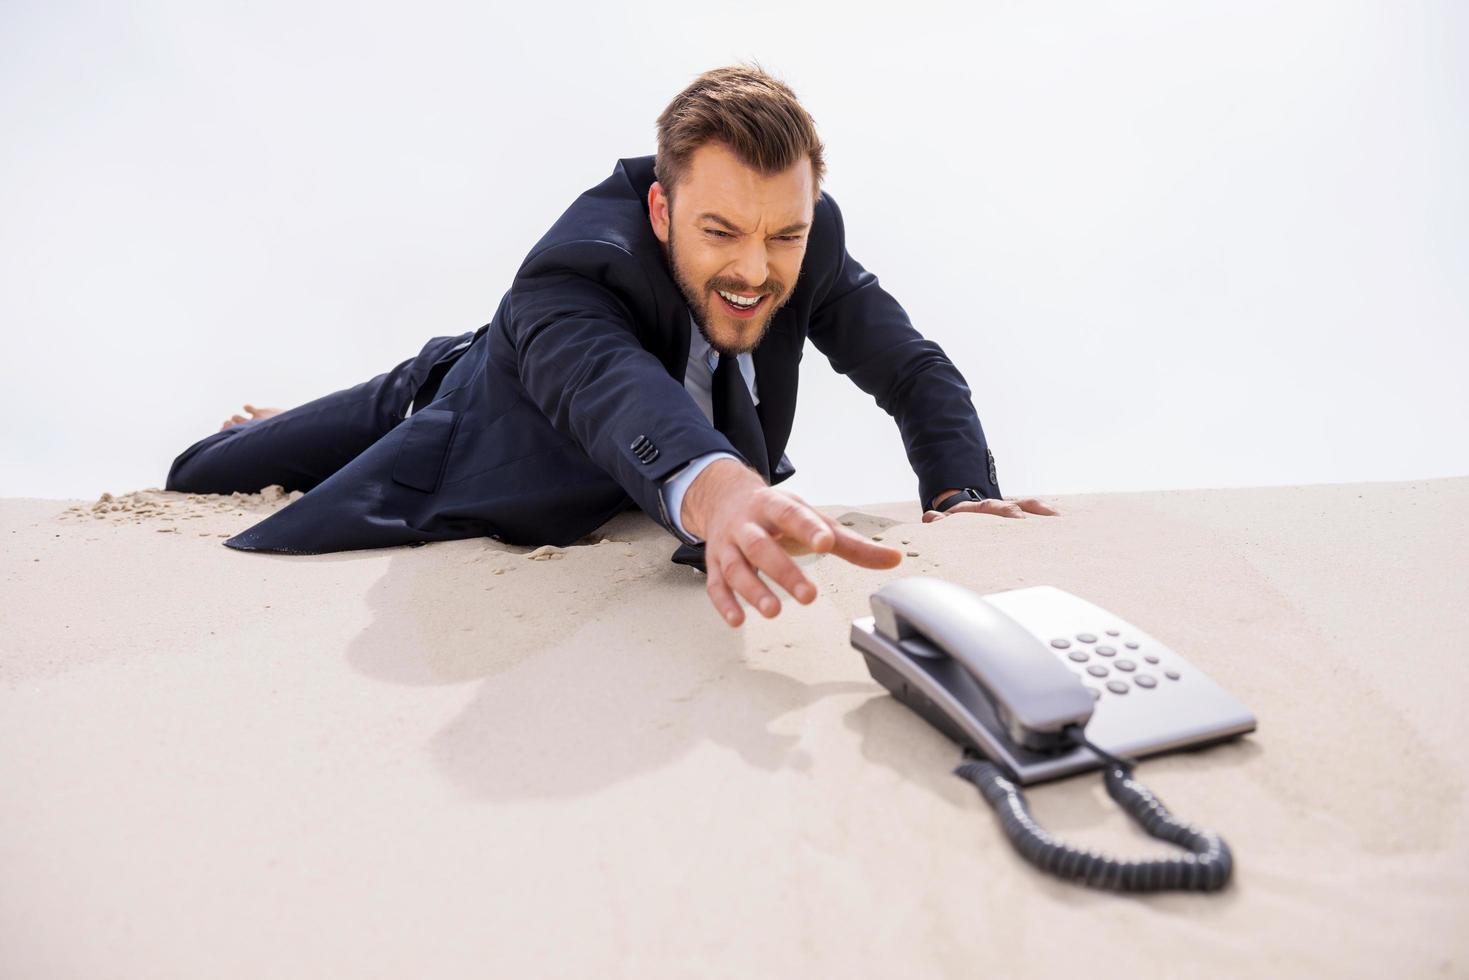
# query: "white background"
1169,245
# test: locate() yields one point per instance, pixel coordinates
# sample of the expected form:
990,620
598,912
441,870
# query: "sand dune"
473,758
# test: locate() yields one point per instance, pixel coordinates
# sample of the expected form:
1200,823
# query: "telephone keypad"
1078,655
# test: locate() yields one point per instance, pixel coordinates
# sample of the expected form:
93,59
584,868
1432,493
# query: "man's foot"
255,413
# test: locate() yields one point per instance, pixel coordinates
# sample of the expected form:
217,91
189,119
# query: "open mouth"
739,311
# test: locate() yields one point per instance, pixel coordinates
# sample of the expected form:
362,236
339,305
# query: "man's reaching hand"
749,528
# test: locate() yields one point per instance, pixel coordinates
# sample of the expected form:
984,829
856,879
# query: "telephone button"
1130,644
1097,670
1096,694
1106,651
1117,687
1113,633
1172,675
1079,656
1086,637
1146,680
1126,665
1151,659
1060,644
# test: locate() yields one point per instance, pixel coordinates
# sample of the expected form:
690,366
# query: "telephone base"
1149,699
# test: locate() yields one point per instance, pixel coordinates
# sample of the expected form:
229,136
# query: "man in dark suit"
646,355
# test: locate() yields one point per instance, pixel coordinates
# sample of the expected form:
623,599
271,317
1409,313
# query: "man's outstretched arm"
867,336
584,365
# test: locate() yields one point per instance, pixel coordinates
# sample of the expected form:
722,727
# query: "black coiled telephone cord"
1206,869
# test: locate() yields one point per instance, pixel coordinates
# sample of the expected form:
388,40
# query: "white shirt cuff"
677,484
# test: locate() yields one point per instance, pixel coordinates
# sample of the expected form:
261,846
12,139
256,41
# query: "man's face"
737,231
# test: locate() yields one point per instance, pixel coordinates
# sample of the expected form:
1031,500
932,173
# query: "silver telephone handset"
1036,684
1032,694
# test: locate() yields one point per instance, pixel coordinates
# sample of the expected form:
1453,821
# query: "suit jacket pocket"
425,448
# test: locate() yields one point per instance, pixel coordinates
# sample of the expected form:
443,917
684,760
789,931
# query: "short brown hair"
755,114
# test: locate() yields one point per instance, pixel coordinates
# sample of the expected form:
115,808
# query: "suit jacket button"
994,479
639,443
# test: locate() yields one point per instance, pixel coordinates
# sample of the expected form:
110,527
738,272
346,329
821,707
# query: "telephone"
1037,684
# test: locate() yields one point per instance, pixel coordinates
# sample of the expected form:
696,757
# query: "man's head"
739,171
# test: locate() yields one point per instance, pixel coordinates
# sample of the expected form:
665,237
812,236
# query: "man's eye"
722,234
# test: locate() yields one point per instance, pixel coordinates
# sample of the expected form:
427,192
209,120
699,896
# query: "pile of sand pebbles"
170,509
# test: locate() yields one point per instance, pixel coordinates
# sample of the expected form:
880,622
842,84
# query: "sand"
473,759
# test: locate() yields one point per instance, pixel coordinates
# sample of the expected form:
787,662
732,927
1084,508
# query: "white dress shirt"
699,381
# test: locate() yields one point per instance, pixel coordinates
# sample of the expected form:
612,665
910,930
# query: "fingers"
1013,507
762,551
721,596
820,534
793,518
1000,508
733,572
783,526
860,550
738,573
1033,506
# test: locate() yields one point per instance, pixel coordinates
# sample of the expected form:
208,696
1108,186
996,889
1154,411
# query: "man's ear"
658,211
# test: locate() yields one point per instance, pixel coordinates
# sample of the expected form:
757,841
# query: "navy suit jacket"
569,405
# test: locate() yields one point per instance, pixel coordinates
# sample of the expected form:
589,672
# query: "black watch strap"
967,493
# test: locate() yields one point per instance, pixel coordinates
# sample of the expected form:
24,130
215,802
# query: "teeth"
738,300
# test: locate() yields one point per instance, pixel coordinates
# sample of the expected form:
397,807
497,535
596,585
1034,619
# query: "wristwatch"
967,493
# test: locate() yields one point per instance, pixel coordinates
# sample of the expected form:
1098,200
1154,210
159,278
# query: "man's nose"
751,265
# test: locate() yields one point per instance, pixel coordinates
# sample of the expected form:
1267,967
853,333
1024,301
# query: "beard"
701,303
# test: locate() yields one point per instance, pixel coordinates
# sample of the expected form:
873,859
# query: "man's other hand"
1010,507
749,527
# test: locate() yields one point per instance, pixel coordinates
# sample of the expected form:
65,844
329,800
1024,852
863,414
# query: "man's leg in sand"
300,447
